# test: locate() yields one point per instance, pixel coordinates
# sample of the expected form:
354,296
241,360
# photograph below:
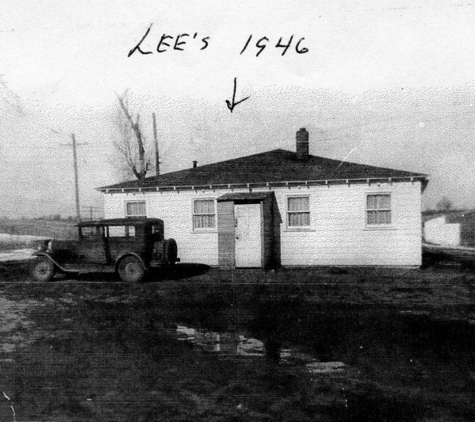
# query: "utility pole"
157,157
76,178
76,181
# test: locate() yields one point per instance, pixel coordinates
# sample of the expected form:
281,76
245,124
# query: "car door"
124,239
91,247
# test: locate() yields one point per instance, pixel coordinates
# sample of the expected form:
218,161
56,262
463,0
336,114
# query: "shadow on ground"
19,272
178,272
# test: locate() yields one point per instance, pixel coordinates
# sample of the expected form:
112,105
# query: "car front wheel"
42,269
130,269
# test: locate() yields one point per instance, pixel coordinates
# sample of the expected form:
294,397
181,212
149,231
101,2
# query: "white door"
248,235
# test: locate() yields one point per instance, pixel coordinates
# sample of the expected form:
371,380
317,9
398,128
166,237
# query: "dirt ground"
87,348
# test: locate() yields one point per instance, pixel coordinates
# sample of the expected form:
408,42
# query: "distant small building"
282,208
451,228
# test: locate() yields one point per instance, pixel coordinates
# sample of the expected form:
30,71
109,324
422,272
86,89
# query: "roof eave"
409,178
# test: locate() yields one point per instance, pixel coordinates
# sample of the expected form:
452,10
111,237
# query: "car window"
121,231
117,231
91,232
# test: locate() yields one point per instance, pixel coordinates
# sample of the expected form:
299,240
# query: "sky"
386,83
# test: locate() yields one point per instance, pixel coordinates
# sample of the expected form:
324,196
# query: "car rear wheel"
130,269
42,269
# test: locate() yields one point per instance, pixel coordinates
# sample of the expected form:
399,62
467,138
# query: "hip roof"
274,167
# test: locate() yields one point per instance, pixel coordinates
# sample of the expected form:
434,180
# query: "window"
91,232
135,209
378,209
298,211
204,216
121,231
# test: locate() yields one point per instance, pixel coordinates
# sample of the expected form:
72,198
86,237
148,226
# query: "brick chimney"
195,164
302,145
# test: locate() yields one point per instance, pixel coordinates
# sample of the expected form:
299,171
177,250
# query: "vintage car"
128,246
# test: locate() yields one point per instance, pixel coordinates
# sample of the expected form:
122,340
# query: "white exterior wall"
337,235
440,232
175,209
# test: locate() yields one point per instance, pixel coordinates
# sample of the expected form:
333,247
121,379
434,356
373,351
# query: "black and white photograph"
235,211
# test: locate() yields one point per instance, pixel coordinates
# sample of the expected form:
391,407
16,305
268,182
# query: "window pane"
204,207
378,202
379,217
91,231
371,217
378,209
135,209
117,231
299,219
203,221
383,217
371,201
384,202
204,216
298,204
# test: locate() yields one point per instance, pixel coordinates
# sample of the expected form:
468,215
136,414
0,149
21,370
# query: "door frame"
270,222
261,233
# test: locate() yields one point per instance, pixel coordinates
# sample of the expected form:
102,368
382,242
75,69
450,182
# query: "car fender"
129,254
46,255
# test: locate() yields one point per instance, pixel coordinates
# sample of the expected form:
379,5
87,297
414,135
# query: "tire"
130,269
171,251
42,269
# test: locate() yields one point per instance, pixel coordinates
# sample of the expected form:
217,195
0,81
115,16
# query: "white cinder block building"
282,208
454,228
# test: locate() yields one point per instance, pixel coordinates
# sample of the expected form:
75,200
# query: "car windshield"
91,232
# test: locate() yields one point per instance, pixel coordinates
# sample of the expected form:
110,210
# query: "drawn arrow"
233,104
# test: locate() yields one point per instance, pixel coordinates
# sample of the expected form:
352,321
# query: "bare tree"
131,143
445,204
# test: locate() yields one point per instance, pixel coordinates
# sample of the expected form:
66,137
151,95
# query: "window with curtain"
378,209
204,214
298,211
135,209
